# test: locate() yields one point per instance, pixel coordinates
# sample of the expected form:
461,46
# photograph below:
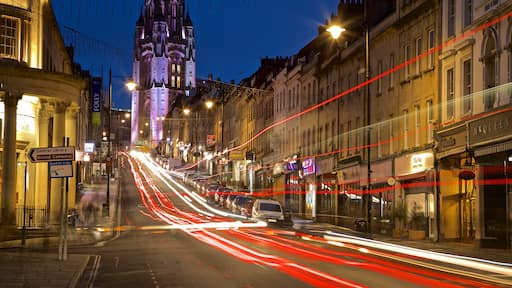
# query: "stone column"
56,183
71,128
9,166
42,193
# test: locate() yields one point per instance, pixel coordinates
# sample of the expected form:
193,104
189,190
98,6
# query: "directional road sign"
52,154
60,169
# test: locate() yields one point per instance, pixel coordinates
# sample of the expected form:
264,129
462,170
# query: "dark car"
242,205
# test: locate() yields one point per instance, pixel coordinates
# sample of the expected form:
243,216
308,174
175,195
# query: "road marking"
94,271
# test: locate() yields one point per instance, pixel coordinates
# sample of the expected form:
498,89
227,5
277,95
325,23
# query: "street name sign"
52,154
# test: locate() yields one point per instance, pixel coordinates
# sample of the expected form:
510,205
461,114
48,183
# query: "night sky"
231,35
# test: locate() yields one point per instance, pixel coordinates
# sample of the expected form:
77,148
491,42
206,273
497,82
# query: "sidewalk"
26,267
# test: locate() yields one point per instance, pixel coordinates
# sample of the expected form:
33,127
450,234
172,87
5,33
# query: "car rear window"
270,207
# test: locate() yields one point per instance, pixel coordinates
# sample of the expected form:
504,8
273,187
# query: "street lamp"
335,31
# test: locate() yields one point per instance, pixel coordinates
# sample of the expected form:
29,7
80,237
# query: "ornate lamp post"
335,31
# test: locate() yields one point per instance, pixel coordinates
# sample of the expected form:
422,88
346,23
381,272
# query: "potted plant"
399,214
417,223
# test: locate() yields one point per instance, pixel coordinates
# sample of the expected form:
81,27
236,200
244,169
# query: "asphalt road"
248,257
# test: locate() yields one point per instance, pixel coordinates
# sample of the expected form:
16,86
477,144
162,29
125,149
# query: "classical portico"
40,109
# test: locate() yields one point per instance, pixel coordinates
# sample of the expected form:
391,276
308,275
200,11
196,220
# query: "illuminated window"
178,81
173,68
173,81
9,35
178,69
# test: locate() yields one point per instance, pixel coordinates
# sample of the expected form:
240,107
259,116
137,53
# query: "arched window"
490,77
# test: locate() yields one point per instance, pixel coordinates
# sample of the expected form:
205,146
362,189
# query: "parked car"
267,210
242,205
228,200
221,194
209,189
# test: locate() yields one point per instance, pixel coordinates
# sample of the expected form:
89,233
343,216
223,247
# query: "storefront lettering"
490,128
447,142
417,163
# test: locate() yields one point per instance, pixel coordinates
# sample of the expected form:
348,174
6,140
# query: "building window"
407,56
349,137
173,68
430,121
451,18
417,121
340,149
391,66
379,139
327,140
391,134
450,94
9,37
431,44
358,134
406,128
468,97
379,81
178,81
419,50
490,66
468,12
320,139
173,81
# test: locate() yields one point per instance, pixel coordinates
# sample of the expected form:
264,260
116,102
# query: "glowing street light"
131,85
335,31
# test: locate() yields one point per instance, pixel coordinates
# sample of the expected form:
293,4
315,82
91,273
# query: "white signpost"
60,165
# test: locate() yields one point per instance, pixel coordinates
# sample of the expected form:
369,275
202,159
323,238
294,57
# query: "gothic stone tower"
163,67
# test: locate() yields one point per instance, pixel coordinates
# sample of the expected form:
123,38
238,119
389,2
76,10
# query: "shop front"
382,194
326,190
309,173
278,182
293,198
456,192
350,197
490,139
415,191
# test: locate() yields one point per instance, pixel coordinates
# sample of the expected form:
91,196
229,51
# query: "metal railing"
35,217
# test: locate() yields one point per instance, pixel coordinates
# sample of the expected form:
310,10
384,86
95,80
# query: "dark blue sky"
231,35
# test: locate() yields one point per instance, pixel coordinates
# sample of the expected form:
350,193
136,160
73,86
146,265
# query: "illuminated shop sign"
308,166
292,165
